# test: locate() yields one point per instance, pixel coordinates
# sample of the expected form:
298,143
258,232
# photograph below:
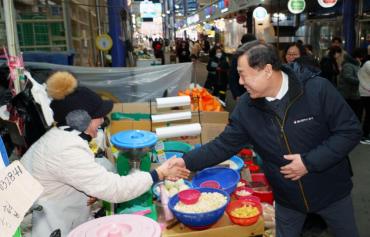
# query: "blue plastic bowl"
228,178
157,193
199,220
239,162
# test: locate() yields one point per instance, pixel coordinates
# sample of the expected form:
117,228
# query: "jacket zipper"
288,147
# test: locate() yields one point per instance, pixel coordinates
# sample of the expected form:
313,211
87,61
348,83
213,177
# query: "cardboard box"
212,123
223,228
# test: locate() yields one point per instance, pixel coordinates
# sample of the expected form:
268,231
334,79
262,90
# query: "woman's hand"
172,169
91,201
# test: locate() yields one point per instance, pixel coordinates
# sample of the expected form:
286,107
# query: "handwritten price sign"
18,191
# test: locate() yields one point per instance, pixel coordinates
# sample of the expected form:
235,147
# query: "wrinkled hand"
173,169
91,201
295,169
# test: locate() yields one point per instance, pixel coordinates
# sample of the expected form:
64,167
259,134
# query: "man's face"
92,130
337,43
255,81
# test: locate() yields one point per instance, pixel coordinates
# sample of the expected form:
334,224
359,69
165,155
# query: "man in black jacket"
303,130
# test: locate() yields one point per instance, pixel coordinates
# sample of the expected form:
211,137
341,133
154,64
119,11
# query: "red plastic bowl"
210,184
246,220
264,196
240,189
189,196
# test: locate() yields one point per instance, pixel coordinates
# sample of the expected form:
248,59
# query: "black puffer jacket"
318,124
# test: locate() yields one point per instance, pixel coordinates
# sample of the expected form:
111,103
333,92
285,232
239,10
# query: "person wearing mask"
348,83
217,78
329,64
63,163
303,130
236,89
364,89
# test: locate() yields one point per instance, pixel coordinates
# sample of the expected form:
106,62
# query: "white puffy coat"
64,164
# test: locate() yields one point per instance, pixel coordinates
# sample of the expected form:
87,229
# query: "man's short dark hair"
259,55
336,38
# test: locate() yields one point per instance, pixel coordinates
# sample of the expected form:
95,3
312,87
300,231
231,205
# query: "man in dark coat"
303,130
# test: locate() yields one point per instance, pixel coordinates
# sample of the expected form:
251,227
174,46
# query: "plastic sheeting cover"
136,84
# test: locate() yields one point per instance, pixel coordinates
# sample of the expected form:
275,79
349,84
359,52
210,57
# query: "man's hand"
173,169
295,169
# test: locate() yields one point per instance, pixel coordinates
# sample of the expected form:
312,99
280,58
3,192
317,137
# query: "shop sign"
222,4
327,3
296,6
260,13
104,42
150,10
192,19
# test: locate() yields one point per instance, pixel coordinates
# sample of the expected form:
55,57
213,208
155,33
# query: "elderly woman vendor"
63,163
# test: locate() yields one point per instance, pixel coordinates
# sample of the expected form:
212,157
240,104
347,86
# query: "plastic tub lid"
134,139
117,226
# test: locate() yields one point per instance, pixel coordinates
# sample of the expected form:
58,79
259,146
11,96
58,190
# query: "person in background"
236,89
195,51
206,45
303,130
364,89
217,78
337,41
329,64
293,51
348,83
183,52
158,48
63,163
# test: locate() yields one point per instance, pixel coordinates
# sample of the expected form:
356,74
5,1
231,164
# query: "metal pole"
349,12
115,31
11,35
11,28
101,55
67,25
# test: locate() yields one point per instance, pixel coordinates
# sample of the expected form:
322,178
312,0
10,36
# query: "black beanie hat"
67,96
81,99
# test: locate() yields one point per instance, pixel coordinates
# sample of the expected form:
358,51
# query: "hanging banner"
296,6
327,3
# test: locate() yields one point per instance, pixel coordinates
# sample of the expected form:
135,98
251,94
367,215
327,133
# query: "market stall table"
224,227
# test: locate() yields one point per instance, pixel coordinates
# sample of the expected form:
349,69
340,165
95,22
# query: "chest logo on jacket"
303,120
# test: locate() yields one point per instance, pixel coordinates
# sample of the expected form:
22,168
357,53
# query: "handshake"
173,169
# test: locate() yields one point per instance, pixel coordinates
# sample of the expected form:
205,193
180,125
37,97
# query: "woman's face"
92,129
292,54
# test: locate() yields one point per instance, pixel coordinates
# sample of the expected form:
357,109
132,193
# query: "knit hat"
68,96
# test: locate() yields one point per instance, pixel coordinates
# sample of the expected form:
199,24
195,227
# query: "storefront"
364,25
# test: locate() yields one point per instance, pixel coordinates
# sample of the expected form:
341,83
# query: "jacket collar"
295,88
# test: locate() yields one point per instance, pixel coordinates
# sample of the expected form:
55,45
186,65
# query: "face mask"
218,55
